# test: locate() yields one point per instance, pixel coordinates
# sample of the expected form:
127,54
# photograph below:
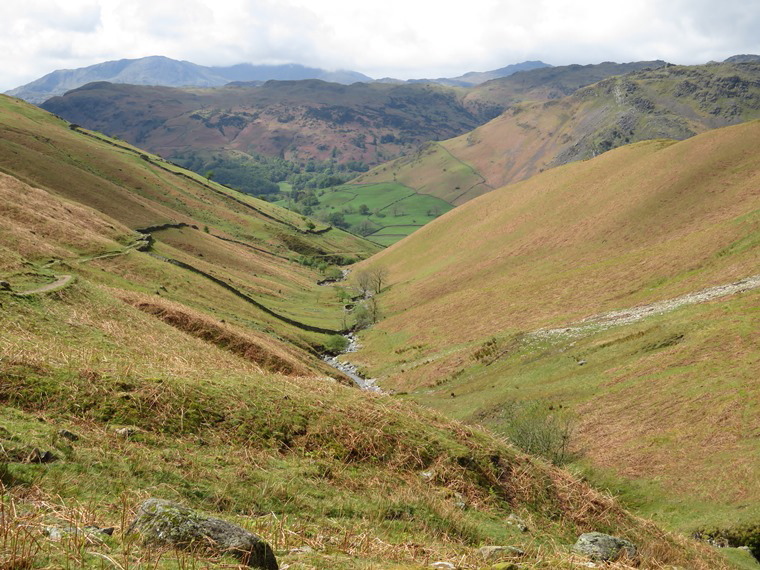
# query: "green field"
384,213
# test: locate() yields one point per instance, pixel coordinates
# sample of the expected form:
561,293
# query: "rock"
599,546
301,550
516,521
127,432
166,523
427,475
93,534
489,552
5,286
66,434
37,456
443,566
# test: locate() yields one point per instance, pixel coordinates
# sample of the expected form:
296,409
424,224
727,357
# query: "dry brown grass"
36,224
260,350
578,240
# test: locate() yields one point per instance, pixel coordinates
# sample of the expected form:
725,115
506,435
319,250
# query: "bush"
540,429
336,344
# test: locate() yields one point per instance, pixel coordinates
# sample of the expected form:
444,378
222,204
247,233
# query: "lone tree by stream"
372,280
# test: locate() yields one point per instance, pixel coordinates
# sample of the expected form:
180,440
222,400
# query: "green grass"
630,373
300,461
393,210
366,480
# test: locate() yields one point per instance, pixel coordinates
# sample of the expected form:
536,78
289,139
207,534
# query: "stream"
347,368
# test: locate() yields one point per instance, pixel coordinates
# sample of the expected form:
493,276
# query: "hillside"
295,120
499,308
667,102
159,70
123,377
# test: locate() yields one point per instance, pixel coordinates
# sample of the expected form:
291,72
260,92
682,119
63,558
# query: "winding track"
60,282
610,319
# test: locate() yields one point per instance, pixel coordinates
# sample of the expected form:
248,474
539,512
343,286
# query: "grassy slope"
646,222
232,414
541,131
118,182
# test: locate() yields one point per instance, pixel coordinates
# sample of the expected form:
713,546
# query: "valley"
458,325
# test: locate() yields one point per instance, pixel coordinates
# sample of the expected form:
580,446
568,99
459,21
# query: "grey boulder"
165,523
600,546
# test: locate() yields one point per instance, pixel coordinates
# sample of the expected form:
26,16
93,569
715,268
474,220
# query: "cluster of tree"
259,175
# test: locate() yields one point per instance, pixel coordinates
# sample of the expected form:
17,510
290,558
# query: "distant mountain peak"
742,58
164,71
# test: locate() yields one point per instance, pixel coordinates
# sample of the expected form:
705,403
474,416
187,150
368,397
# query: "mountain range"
159,70
545,127
164,71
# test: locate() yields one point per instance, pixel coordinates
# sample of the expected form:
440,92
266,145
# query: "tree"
378,277
337,219
372,280
367,314
364,210
364,228
364,282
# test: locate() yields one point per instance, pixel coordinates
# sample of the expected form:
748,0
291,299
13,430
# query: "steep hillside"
546,83
296,120
251,246
159,70
668,102
179,362
504,302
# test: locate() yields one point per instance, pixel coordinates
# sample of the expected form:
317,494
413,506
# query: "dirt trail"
59,283
611,319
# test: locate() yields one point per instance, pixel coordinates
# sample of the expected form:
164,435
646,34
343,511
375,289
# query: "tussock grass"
301,460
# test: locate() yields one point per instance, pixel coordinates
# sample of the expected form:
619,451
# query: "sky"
388,38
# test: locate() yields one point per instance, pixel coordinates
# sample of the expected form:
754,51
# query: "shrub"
336,344
540,429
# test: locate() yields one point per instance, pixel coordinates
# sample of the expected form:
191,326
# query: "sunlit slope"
672,102
137,377
644,222
257,248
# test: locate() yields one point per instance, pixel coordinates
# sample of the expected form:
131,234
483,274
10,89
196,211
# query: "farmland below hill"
180,360
383,213
662,405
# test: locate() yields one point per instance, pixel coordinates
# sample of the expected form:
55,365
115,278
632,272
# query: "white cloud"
402,38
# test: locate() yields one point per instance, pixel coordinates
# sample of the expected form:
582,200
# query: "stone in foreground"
599,546
165,523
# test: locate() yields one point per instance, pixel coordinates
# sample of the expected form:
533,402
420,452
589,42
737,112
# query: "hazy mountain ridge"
167,72
473,78
159,70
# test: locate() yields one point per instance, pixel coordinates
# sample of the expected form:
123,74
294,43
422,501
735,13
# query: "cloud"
402,38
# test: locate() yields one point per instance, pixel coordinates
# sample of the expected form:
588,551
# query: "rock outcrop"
600,546
165,523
